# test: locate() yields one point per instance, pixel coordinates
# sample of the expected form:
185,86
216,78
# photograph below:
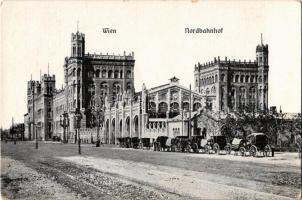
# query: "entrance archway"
135,123
127,131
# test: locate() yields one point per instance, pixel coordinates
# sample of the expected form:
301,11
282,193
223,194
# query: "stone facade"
158,111
40,108
235,85
59,106
89,75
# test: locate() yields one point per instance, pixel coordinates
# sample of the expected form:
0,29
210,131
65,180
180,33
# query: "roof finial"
261,40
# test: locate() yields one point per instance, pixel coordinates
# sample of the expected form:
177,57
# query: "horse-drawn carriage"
162,143
216,143
145,143
197,143
134,142
129,142
258,142
180,143
237,145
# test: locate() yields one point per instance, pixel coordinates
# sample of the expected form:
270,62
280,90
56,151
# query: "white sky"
35,33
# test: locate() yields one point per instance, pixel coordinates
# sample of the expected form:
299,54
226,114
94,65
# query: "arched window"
242,97
110,74
241,78
104,74
79,51
233,96
79,72
216,78
252,79
115,74
73,72
97,73
162,109
247,79
121,74
128,75
260,79
73,50
236,78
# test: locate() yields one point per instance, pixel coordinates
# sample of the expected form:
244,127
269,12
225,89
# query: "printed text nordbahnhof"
203,30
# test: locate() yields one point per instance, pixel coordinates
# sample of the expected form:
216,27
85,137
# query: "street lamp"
64,122
78,117
97,110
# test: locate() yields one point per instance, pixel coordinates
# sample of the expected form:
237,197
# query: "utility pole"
33,110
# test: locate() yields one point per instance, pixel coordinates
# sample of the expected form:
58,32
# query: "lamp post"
64,122
78,117
97,110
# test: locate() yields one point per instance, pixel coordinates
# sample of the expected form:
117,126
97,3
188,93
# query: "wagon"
217,143
197,142
125,142
258,142
180,143
237,144
162,143
146,142
134,142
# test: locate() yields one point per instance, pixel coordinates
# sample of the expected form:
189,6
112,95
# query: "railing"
155,128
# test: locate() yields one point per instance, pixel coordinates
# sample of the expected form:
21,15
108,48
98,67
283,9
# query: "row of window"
236,79
76,50
112,74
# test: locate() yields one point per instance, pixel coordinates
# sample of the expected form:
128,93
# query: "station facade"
165,110
235,85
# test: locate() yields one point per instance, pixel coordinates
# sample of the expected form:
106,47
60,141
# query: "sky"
35,33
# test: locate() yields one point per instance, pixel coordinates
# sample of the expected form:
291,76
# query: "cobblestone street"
56,171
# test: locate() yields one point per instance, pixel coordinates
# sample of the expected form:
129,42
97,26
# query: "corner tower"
77,44
263,67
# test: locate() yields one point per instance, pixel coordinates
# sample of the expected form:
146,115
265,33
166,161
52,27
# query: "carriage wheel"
242,151
228,149
253,151
267,151
216,148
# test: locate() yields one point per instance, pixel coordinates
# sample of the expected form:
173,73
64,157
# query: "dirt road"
111,173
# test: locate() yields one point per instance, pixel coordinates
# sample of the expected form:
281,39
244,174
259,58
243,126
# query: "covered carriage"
258,142
237,144
162,143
